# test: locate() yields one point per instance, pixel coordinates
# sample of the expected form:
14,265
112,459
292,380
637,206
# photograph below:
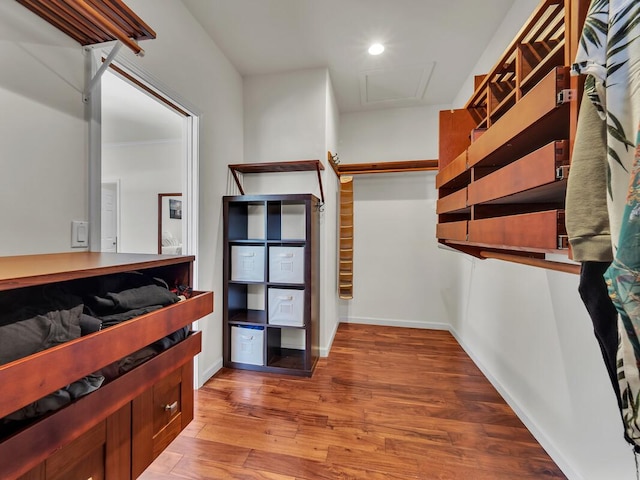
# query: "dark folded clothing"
142,297
116,318
89,324
170,340
125,364
24,303
131,299
33,335
57,399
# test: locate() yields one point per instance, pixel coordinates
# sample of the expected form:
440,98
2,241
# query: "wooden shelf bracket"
276,167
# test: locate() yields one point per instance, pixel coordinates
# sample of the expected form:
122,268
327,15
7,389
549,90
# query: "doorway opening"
110,216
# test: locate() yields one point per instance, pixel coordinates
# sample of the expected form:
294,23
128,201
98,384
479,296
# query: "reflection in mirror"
170,223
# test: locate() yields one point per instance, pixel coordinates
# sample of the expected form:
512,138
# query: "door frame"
94,56
130,71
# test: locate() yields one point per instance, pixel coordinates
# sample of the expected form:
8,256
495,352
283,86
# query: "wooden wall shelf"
504,158
278,167
386,167
382,167
92,22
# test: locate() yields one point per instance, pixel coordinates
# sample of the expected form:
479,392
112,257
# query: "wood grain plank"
387,404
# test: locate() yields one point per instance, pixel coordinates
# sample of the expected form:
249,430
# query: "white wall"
389,135
144,170
398,269
293,116
330,303
185,60
529,332
42,135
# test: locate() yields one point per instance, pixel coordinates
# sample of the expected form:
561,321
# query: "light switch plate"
79,234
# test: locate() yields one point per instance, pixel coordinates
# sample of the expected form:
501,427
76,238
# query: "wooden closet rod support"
534,262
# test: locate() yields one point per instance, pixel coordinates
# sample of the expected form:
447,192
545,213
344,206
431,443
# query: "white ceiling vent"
402,85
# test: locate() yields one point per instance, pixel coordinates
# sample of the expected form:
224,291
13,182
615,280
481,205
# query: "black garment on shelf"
604,315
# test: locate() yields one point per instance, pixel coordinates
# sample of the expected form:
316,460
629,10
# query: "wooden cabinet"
159,414
271,283
504,158
117,430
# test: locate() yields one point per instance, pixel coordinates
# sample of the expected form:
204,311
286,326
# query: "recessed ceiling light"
376,49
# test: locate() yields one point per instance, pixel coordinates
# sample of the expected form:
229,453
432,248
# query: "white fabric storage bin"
286,307
247,345
286,264
247,263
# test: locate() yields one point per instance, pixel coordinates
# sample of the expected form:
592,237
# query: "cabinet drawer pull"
172,407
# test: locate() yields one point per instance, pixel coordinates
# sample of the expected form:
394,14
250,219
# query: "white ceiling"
431,45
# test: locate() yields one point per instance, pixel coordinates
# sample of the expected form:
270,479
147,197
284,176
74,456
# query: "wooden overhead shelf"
294,166
504,158
278,167
94,21
385,167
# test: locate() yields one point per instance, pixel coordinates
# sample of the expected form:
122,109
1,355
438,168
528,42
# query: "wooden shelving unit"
271,283
504,158
345,253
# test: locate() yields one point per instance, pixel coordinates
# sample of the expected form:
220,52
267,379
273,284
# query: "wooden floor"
388,403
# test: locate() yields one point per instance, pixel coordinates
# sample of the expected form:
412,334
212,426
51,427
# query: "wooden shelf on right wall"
504,158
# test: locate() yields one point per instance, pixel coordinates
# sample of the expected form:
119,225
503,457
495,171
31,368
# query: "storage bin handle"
285,255
285,297
248,254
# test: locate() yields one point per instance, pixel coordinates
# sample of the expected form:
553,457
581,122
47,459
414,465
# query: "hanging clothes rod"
534,262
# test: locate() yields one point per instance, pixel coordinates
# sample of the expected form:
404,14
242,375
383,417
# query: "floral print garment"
609,54
623,283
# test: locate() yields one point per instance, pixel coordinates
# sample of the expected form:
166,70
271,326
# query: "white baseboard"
324,351
546,443
397,323
210,372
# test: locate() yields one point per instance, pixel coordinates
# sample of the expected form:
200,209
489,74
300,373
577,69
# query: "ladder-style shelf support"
278,167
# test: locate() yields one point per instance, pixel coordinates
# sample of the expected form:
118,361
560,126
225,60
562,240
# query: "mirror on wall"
170,223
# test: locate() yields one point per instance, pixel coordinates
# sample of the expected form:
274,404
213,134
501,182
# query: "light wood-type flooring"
388,403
